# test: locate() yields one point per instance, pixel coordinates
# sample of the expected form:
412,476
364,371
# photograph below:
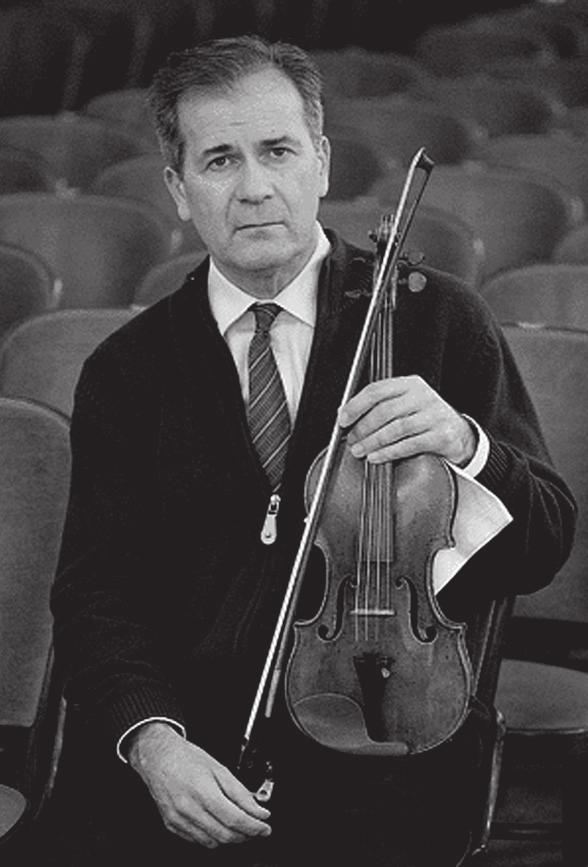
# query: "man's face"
252,179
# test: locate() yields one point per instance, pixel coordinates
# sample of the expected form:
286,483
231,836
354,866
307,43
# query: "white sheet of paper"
480,515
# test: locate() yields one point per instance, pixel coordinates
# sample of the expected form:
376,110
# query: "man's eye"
280,151
219,162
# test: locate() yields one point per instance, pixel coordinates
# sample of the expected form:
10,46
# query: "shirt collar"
228,302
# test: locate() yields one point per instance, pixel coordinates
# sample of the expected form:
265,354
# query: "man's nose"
254,181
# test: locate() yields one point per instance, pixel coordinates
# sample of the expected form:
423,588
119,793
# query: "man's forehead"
264,104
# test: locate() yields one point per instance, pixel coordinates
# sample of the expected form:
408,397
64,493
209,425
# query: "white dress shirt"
292,331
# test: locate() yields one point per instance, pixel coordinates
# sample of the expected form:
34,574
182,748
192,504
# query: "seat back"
126,108
75,147
519,215
445,241
41,54
574,120
554,366
500,107
97,247
41,359
360,72
573,246
34,485
454,49
355,165
26,285
398,126
561,32
166,277
542,294
564,78
141,179
561,157
121,35
22,171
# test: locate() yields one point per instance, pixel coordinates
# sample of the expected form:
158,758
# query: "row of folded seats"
89,236
56,54
44,339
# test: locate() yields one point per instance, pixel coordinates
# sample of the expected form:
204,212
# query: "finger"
369,434
240,795
209,828
189,831
381,414
370,396
224,814
406,448
235,823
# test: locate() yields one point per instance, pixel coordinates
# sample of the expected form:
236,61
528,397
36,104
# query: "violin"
379,669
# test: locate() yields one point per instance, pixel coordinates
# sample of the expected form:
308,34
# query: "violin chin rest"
337,721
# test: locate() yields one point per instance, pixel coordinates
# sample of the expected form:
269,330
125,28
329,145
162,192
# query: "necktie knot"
265,315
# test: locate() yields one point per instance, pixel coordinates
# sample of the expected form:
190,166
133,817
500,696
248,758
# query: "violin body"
379,670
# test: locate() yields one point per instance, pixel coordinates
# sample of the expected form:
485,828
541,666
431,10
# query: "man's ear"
177,189
324,153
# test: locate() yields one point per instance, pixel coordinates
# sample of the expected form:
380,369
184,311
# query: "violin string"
376,532
371,498
388,517
378,471
372,564
361,554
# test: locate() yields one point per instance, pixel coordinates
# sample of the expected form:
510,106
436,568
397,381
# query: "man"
186,504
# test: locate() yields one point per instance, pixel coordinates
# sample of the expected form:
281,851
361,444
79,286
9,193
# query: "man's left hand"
402,417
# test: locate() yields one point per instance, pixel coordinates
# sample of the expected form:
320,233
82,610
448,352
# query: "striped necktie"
269,420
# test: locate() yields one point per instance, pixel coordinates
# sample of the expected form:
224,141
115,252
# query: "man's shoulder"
140,337
147,337
447,293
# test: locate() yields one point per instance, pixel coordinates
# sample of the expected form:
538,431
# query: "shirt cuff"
478,460
121,746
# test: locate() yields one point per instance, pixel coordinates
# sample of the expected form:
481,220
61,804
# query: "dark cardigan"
165,599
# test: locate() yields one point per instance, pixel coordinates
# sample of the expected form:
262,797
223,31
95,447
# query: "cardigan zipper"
269,530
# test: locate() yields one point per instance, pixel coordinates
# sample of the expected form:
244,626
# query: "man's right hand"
198,798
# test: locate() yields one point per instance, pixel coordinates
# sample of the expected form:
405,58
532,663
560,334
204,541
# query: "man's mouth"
260,225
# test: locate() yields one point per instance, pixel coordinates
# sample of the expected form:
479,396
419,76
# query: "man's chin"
264,255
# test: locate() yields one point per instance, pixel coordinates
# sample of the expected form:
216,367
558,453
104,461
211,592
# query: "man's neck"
267,283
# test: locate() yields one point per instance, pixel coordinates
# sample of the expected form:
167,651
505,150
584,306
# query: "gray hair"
219,64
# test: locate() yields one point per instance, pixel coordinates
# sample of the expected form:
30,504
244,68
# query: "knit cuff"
135,705
496,468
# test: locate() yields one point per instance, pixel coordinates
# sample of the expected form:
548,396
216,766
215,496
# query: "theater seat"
561,157
97,247
41,359
26,285
519,215
572,246
546,293
543,682
141,179
75,147
34,486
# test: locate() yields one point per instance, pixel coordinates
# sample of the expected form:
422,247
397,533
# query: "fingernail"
357,450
